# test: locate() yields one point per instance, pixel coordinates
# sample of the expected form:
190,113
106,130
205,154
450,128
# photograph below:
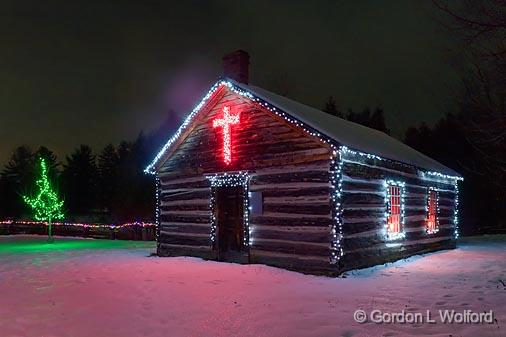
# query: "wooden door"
230,223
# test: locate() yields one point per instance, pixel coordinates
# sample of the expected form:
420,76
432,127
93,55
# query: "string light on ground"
84,225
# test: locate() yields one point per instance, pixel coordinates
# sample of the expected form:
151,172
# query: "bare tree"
480,26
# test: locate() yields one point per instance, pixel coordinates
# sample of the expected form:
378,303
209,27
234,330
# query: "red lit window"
432,211
394,215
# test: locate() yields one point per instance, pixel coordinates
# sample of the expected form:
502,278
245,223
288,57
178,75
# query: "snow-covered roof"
352,135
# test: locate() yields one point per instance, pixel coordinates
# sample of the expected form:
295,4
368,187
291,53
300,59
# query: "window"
432,211
256,203
395,207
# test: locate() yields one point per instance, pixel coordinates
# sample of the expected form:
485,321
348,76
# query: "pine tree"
79,181
331,107
46,204
108,162
16,176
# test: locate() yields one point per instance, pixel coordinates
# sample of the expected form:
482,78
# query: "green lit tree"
45,204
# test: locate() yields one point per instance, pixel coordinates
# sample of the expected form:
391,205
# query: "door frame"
230,179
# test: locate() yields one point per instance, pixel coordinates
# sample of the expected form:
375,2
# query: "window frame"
400,234
434,230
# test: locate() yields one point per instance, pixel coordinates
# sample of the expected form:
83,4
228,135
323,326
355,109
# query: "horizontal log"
186,228
358,243
297,221
404,243
295,192
168,178
350,199
185,202
205,213
183,190
294,210
300,200
185,218
290,215
164,249
292,247
296,185
201,184
382,169
322,165
187,195
320,176
166,233
360,227
291,234
363,187
373,213
363,259
184,239
180,208
302,263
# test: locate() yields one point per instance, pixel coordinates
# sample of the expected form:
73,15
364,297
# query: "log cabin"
254,177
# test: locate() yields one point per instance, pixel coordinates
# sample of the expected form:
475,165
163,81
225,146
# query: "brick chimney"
236,66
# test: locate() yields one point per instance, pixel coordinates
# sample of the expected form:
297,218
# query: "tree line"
453,141
110,186
471,138
107,187
104,187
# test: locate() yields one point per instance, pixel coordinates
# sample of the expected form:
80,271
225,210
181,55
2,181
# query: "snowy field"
94,288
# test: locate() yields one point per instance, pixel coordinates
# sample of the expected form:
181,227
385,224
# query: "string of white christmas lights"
456,211
230,180
223,83
158,206
336,230
388,234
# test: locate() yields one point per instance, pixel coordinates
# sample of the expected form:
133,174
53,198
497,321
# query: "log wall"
292,170
363,200
289,167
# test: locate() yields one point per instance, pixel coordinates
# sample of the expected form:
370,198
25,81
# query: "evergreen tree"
79,179
331,107
108,162
16,177
135,199
50,159
19,168
377,121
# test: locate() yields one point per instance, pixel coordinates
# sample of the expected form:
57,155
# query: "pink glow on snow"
125,293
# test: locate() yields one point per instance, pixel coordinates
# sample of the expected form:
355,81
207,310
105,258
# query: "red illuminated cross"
225,123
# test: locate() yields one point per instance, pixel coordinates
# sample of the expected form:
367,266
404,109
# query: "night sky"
97,72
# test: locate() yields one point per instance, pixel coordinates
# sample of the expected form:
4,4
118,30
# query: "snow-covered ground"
93,288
